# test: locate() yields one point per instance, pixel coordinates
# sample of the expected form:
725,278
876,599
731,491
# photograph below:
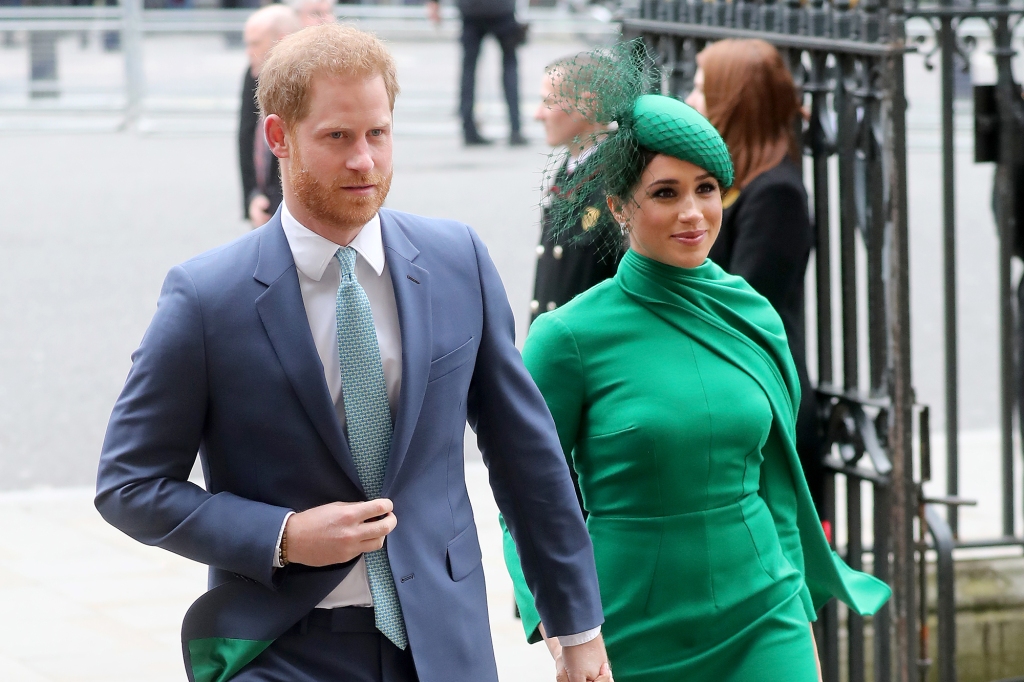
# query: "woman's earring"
624,228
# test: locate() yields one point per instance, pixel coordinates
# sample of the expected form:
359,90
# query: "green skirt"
706,595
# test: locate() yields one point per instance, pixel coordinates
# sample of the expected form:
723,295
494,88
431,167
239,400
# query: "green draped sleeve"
524,599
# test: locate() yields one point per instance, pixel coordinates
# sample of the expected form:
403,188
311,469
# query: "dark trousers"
340,645
505,30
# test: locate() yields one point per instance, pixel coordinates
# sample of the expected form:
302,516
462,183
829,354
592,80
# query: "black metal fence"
848,59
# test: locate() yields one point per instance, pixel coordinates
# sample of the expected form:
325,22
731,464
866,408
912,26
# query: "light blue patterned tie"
368,422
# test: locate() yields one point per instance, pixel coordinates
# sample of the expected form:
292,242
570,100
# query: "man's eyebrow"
346,127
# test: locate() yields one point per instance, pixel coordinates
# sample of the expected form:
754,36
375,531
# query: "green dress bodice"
678,420
697,420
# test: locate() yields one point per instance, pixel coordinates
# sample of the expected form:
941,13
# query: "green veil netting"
611,86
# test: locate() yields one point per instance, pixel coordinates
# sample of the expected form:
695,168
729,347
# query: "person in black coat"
570,259
261,186
746,91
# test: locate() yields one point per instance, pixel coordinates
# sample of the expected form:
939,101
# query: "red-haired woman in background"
744,88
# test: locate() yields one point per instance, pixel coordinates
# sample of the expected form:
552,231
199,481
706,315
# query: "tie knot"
346,256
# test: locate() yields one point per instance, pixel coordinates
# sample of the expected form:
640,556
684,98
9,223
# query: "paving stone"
65,622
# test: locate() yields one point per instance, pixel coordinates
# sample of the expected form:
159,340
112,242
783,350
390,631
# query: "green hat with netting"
666,125
612,85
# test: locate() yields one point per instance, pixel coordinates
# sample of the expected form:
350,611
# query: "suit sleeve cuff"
280,537
581,638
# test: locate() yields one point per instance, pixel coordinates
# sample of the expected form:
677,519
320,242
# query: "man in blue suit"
324,367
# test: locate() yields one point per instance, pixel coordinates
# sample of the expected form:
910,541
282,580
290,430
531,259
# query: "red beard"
328,202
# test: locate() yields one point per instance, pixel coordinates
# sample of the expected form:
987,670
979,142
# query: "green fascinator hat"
612,86
666,125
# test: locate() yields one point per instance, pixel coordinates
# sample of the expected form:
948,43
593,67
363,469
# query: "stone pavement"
81,602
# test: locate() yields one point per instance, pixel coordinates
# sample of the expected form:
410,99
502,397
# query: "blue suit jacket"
228,369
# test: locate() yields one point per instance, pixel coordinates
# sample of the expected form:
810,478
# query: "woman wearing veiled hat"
675,397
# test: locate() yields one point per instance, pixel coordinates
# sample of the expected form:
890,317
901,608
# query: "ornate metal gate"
848,58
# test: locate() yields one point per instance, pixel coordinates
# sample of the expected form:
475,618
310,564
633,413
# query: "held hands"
552,643
338,532
581,663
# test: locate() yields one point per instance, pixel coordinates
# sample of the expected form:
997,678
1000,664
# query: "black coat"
485,8
576,259
249,118
767,238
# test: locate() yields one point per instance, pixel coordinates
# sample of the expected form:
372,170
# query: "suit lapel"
283,315
412,297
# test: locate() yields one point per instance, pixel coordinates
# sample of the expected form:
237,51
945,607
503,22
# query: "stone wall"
990,619
990,622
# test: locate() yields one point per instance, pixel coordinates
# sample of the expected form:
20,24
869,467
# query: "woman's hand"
586,662
817,661
554,648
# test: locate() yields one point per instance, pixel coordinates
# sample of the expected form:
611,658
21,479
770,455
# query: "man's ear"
277,136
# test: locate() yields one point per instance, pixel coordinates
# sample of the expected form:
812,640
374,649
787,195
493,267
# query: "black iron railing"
848,59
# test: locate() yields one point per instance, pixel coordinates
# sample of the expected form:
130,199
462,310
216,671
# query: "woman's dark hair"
622,185
643,157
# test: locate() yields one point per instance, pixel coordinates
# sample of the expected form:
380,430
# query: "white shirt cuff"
581,638
280,536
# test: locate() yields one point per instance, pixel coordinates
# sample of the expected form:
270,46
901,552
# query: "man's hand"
584,663
338,532
434,11
259,209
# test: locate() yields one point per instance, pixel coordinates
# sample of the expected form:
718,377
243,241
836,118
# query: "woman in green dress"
675,395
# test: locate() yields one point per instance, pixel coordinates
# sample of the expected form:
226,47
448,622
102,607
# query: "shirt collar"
574,161
313,253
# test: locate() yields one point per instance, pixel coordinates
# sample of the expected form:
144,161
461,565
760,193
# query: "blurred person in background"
233,39
479,18
314,12
261,187
744,88
570,261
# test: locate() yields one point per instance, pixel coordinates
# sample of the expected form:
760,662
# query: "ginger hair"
752,101
326,50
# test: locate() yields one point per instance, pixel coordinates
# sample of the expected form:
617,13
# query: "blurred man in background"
480,17
314,12
261,188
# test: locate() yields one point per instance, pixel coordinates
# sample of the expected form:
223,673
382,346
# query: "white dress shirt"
319,277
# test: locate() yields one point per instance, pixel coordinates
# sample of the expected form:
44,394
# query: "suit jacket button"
551,305
540,250
557,252
534,306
